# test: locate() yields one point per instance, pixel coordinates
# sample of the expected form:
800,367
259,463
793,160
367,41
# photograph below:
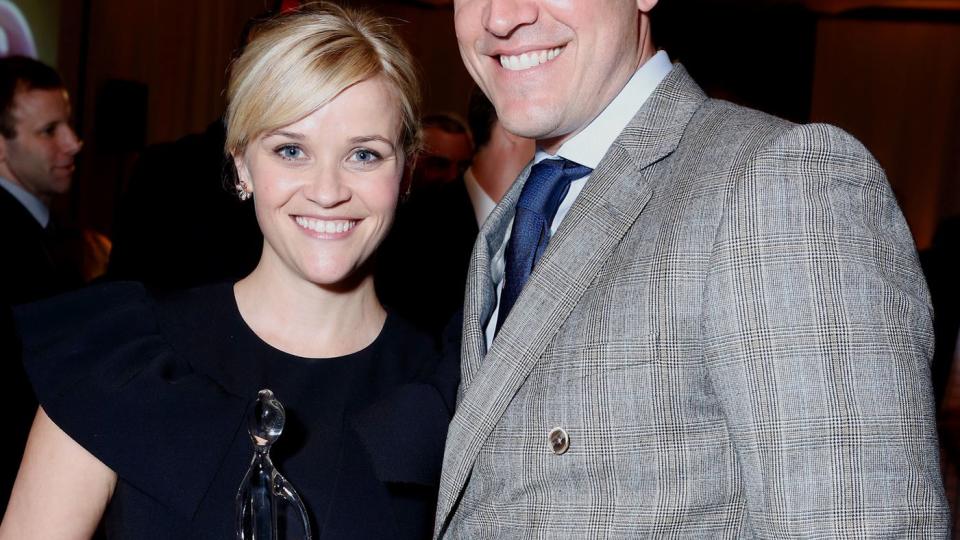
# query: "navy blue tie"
540,198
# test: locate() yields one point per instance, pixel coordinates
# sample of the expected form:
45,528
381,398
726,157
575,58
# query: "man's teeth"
325,226
530,59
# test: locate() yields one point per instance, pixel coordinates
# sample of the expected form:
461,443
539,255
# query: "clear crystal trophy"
263,488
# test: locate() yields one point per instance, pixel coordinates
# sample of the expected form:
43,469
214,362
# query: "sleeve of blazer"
818,338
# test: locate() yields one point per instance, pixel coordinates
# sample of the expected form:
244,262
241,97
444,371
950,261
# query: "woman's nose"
328,189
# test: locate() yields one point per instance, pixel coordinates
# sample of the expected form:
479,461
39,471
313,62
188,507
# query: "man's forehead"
40,106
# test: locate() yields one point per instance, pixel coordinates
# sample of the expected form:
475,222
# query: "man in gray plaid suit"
687,318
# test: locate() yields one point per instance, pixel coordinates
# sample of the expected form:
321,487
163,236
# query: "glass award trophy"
264,490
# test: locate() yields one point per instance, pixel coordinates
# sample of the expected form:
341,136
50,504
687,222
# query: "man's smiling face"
550,66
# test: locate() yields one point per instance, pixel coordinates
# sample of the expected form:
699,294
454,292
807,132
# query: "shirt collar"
35,206
590,145
481,202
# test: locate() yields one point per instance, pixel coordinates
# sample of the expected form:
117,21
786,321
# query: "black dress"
158,388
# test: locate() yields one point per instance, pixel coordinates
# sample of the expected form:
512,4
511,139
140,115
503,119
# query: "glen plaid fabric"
733,330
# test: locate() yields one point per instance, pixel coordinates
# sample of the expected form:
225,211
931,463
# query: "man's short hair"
445,122
481,116
22,74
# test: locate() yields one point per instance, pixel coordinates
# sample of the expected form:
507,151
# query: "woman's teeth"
326,226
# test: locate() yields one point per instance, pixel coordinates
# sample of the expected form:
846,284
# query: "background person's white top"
35,206
587,148
481,202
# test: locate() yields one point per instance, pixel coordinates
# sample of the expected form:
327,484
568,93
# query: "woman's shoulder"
65,337
404,432
87,332
94,305
107,371
428,361
405,342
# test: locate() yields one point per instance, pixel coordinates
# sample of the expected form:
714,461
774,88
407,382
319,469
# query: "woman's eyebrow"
368,138
283,133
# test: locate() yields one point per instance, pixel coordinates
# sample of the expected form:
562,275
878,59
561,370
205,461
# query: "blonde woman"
143,397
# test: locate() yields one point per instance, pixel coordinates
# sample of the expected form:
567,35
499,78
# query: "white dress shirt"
588,148
481,202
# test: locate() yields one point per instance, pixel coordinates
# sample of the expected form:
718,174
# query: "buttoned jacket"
730,330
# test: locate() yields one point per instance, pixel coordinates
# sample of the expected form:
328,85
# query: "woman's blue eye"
290,152
365,155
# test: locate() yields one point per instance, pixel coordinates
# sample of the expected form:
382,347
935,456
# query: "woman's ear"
244,184
243,173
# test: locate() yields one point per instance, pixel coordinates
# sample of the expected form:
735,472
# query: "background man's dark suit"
31,268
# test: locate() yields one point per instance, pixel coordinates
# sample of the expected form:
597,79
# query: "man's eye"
289,151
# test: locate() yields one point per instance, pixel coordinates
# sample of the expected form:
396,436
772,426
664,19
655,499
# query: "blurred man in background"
447,151
37,151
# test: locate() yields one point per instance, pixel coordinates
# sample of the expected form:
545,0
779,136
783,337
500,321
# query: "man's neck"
552,145
589,144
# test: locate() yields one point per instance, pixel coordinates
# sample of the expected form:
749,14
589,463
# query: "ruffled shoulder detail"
404,432
106,373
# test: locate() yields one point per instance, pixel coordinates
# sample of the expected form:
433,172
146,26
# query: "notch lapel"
481,293
609,204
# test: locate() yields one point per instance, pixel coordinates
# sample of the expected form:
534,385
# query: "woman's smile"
326,228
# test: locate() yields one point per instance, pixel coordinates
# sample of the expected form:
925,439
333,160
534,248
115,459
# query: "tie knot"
548,184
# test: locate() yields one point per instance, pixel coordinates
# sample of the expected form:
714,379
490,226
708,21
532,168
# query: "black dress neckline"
244,328
236,356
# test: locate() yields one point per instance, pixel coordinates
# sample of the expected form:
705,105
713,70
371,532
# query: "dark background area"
153,70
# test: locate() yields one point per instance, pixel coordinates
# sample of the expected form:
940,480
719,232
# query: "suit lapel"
481,295
611,201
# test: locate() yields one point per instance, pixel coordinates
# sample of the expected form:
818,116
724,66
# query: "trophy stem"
263,486
256,508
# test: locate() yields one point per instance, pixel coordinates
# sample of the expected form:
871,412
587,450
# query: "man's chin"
61,186
531,124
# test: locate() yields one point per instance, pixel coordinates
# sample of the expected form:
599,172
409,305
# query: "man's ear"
645,6
3,149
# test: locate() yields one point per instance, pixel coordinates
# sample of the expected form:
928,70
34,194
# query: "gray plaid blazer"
733,331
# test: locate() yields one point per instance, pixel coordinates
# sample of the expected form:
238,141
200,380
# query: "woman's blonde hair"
299,61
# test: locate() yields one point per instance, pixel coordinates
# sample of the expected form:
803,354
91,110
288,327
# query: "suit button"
559,441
